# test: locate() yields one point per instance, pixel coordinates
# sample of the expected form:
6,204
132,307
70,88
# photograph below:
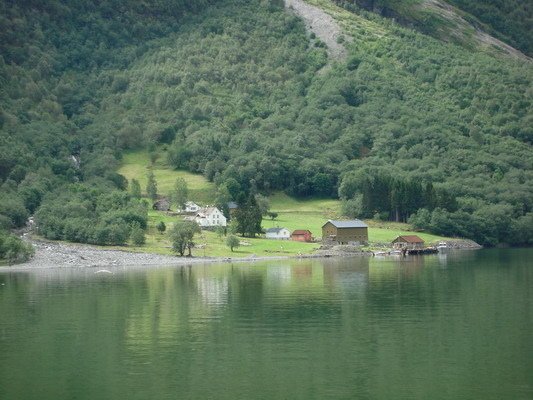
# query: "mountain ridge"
440,19
233,91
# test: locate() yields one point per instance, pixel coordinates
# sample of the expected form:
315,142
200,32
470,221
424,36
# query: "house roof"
190,204
161,201
208,211
409,239
355,223
274,230
232,205
301,232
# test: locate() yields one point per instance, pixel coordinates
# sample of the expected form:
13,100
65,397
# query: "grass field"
293,214
312,214
136,165
209,244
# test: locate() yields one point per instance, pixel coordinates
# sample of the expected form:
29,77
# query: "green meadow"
292,213
137,164
209,244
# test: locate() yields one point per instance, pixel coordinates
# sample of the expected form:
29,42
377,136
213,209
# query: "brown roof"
410,239
301,232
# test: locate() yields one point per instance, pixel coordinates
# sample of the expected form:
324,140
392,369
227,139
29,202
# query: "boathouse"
408,242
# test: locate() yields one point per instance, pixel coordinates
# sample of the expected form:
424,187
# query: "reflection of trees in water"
214,291
410,283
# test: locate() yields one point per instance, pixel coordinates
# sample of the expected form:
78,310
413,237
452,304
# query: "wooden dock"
417,252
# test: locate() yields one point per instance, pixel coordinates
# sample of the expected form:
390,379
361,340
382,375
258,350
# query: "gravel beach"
74,255
60,255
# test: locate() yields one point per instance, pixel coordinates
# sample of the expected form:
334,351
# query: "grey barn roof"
355,223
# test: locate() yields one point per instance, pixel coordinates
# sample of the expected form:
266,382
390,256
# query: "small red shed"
301,235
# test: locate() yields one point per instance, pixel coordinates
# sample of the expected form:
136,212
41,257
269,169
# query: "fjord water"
451,326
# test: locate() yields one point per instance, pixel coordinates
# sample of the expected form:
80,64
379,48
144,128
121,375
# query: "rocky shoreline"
50,254
72,255
61,255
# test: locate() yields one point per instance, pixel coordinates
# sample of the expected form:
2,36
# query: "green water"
455,326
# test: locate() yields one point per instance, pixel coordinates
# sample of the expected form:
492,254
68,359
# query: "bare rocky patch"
322,25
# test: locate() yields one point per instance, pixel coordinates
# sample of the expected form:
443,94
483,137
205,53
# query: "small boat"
442,245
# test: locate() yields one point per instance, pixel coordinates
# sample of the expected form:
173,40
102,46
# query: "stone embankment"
462,244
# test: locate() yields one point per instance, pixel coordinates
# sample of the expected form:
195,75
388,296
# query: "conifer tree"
151,186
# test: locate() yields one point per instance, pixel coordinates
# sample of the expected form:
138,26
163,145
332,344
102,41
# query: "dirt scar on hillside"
322,24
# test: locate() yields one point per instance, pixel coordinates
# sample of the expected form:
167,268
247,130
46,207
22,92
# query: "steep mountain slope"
233,91
509,20
322,26
440,19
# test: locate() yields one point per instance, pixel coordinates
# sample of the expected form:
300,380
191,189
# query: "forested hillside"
53,59
493,26
407,127
509,20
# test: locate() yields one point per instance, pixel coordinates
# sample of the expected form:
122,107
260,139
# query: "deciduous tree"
182,235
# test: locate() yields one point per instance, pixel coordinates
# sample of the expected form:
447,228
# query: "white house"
210,216
278,233
191,207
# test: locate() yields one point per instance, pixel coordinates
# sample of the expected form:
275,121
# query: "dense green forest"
52,57
236,90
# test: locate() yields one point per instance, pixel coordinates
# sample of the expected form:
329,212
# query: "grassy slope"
136,164
292,214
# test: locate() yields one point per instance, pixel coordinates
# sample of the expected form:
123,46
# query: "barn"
345,232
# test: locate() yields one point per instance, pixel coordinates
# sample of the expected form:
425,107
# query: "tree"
13,249
135,189
232,242
154,156
222,198
272,215
263,203
220,231
161,227
182,235
151,186
181,193
137,235
249,217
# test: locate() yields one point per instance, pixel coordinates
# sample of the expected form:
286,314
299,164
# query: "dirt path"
322,25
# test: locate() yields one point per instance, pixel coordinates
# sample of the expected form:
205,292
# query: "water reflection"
345,328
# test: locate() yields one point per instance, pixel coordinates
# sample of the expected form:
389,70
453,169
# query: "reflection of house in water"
302,271
394,270
279,273
213,291
350,274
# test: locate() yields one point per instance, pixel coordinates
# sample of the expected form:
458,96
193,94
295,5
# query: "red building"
301,235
